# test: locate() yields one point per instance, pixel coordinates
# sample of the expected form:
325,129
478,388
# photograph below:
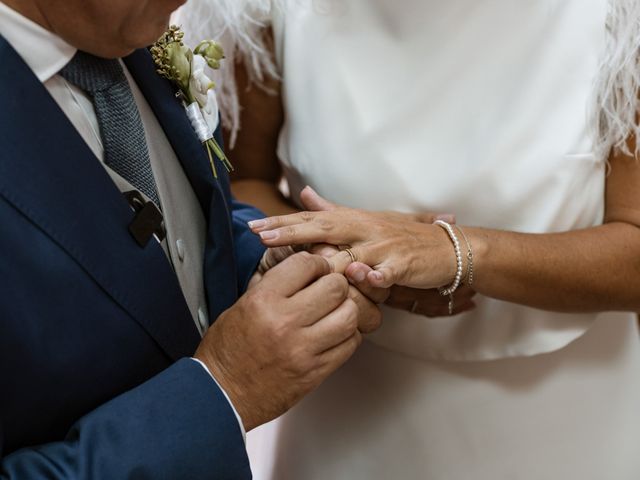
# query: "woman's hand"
400,248
429,303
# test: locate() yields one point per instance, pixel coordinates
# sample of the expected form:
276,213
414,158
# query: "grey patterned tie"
125,146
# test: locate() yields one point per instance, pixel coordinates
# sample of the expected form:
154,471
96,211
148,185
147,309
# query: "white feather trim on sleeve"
616,105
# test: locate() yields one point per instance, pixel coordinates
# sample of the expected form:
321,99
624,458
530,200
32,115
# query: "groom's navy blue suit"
94,330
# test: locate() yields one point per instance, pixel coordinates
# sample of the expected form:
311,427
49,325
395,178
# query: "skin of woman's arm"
595,269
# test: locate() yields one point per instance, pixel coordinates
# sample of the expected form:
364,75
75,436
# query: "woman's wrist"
479,244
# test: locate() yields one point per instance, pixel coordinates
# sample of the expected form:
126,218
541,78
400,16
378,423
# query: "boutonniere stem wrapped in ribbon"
186,69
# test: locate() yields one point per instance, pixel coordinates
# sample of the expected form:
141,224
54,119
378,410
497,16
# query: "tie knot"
93,74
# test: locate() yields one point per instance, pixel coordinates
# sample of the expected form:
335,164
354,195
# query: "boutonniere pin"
186,69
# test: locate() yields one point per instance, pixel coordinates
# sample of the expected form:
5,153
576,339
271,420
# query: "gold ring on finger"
351,254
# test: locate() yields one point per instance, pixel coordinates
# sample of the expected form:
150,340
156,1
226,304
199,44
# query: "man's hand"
362,293
284,337
271,258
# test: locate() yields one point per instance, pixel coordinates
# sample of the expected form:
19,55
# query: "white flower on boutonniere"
203,90
187,70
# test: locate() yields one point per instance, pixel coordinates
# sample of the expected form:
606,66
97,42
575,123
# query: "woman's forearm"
596,269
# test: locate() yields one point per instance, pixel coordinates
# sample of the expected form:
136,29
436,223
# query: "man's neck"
29,9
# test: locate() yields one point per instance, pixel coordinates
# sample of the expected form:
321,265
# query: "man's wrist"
226,395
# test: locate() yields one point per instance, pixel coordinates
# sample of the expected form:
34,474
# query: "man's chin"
110,52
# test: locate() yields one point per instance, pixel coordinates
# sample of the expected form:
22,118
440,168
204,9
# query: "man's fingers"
357,273
324,250
338,355
369,315
274,256
295,273
321,297
314,202
334,328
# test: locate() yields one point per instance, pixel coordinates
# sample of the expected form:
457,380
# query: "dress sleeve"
242,27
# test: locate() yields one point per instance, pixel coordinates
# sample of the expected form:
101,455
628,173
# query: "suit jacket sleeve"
248,248
178,425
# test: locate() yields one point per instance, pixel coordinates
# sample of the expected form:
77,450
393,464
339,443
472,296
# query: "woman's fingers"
430,303
340,261
404,298
307,227
401,297
383,277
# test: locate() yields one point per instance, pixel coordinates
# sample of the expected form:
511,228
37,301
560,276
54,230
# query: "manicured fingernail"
257,223
271,235
446,217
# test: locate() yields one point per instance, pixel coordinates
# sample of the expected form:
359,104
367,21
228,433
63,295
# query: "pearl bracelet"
444,291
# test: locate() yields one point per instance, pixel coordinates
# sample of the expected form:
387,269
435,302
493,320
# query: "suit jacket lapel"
49,173
220,270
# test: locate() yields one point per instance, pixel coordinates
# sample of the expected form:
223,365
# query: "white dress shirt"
46,54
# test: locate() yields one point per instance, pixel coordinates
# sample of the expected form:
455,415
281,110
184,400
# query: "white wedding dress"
477,108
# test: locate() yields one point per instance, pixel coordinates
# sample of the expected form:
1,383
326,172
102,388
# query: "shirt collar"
44,51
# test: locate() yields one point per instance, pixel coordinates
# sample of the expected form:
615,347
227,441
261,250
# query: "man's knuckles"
351,316
301,363
371,321
335,289
315,264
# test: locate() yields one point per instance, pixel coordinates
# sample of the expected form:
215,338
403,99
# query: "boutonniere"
186,69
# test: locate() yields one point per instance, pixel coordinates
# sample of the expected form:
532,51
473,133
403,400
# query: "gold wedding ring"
351,254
